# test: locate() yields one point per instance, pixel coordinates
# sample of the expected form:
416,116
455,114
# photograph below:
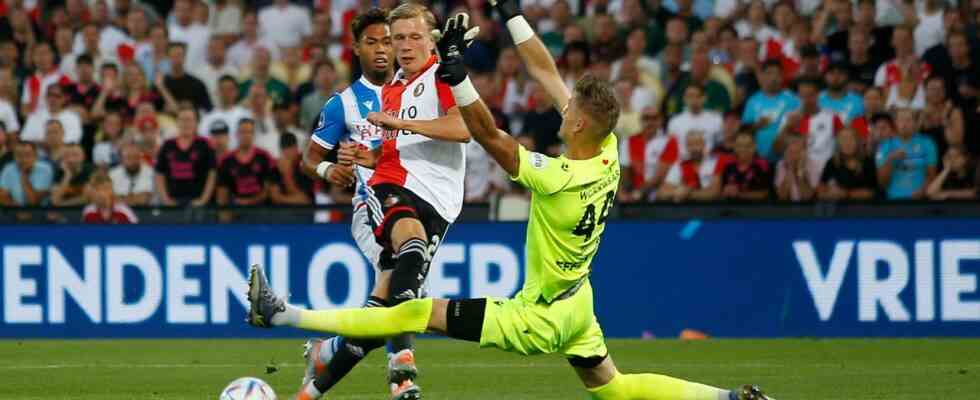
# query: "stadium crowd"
118,103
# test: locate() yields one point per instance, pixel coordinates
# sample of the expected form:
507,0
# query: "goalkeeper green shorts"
568,327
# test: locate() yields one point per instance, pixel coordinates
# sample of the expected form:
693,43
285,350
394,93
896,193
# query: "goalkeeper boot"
263,303
401,376
749,392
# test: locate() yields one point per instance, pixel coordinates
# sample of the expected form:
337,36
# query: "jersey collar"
400,77
368,83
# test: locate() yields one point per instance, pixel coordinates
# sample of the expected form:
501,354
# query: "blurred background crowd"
112,104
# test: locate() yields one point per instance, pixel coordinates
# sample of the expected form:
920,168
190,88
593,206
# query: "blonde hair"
412,10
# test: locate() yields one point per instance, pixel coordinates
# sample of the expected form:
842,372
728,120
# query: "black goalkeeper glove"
452,43
507,9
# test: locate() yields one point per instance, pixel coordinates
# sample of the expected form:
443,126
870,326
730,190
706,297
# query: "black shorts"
390,203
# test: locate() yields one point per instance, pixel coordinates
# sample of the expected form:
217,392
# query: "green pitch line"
199,369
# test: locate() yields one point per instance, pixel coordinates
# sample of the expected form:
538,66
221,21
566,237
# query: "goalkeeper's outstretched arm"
479,121
538,61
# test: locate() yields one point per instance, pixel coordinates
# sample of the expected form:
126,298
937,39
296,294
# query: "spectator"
104,207
34,128
731,123
132,179
227,21
698,177
963,63
218,133
908,91
715,95
260,109
906,163
748,177
228,111
125,95
71,177
882,129
640,157
291,70
542,123
217,66
872,104
46,75
26,181
243,51
861,64
193,35
244,174
942,120
53,145
850,174
82,93
260,76
905,66
818,126
695,118
574,62
153,59
8,116
108,139
798,173
958,179
284,116
6,142
606,43
183,86
765,109
185,166
285,24
289,185
836,98
323,79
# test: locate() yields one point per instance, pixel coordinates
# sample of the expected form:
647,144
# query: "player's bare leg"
605,382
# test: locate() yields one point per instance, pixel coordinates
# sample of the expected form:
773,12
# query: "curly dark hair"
371,17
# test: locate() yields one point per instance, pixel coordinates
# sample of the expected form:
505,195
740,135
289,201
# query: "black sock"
401,342
407,278
348,354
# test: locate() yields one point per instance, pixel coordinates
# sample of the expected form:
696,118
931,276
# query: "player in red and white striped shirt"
417,186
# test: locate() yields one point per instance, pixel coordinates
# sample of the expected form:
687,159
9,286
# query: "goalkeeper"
571,197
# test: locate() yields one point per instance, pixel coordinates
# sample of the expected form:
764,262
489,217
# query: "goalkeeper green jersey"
570,200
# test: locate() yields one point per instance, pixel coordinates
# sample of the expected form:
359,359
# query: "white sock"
289,317
310,390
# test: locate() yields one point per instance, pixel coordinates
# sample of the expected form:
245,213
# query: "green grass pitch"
198,369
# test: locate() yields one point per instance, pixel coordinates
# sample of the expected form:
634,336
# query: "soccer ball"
247,388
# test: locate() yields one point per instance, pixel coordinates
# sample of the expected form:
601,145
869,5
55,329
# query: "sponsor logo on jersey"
538,160
419,89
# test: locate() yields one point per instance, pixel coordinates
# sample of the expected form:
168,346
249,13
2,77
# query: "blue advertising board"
730,278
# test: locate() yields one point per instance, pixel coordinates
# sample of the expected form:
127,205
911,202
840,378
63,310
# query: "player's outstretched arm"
475,114
538,61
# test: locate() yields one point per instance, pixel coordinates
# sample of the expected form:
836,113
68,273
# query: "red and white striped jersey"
36,88
642,156
820,131
890,73
432,169
697,175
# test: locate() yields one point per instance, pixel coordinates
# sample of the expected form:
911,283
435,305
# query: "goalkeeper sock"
655,387
409,317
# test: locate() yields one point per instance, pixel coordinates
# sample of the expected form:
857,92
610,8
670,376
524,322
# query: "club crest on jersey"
390,201
538,160
419,89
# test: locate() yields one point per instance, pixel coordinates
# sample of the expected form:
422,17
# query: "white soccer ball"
247,388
